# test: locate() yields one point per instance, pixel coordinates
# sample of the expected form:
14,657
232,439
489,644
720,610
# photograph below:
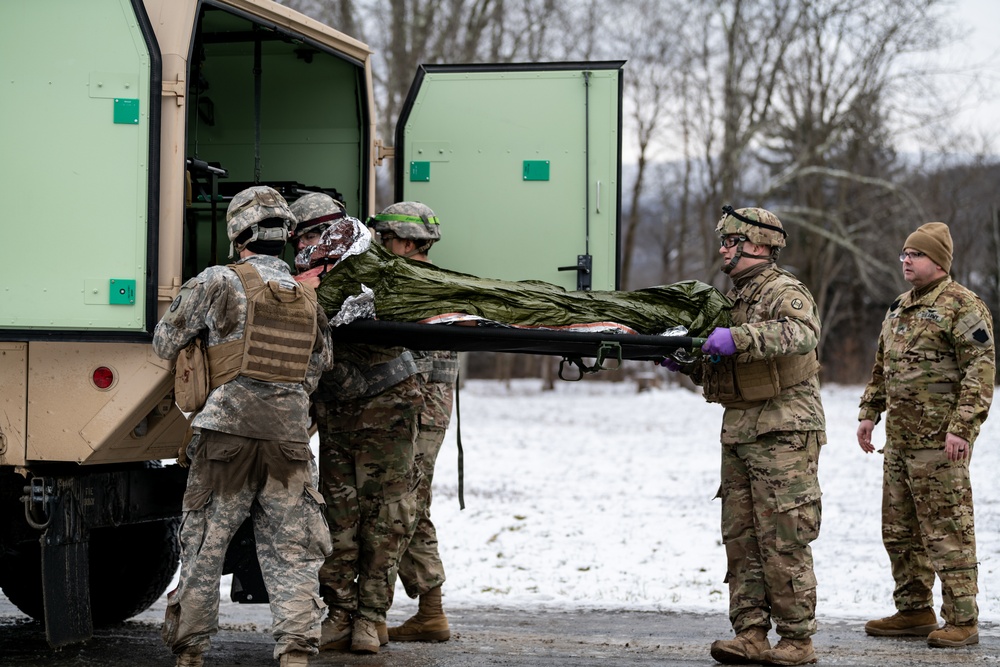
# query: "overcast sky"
982,46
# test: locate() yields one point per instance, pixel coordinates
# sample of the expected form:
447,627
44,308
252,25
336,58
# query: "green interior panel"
74,127
310,123
524,169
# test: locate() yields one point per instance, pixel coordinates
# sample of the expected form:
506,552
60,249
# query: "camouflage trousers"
771,512
928,528
420,566
369,481
273,482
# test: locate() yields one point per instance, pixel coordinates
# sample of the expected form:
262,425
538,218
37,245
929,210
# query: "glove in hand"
720,342
670,364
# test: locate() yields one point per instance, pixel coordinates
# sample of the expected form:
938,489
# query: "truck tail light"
103,377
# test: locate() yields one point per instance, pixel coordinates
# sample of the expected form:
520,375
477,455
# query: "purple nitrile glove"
720,342
670,364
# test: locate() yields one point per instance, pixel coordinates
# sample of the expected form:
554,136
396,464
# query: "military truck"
126,127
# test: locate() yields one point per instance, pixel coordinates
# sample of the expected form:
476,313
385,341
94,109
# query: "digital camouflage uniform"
420,567
367,472
250,457
770,451
933,375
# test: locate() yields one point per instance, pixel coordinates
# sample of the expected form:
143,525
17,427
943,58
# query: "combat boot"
188,659
294,659
335,632
954,635
364,638
383,633
748,646
907,623
429,624
790,652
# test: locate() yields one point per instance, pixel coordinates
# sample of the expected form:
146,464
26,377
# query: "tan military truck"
126,126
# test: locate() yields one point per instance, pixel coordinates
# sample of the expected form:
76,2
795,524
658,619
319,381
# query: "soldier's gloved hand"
669,364
720,341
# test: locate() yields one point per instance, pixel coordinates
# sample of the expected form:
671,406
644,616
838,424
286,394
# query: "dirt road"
489,637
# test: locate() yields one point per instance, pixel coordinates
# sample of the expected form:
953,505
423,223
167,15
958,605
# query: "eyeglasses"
309,238
731,241
388,238
911,255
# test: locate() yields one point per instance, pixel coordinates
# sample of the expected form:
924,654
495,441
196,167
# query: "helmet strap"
259,233
728,267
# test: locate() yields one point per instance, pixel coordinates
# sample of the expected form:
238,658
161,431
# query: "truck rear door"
522,164
78,126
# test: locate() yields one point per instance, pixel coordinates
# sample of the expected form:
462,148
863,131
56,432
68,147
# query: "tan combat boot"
383,633
954,635
364,638
790,652
187,659
748,646
908,623
294,659
335,632
429,624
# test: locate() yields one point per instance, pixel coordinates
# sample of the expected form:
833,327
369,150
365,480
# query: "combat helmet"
759,225
315,212
408,220
253,206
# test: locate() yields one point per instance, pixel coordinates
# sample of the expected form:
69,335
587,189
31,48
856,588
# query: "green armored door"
522,164
78,128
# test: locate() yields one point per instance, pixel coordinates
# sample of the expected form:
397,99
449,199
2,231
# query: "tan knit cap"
934,240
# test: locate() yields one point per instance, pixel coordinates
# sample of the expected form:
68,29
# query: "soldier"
765,373
367,410
315,212
250,455
409,229
933,376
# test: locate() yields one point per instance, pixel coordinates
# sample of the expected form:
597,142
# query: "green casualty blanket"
410,291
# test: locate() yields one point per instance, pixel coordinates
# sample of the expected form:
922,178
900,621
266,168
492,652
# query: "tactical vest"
278,337
748,384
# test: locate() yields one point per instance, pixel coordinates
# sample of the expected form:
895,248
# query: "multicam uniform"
933,375
770,450
420,567
250,457
367,409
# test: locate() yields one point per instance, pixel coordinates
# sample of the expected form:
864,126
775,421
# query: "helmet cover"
759,225
315,212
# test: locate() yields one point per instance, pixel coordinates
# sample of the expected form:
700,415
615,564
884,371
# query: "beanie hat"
934,240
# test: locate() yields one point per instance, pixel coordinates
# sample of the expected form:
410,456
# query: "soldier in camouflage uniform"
250,455
933,377
368,410
764,371
410,229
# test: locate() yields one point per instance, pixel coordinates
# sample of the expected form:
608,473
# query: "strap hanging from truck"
256,103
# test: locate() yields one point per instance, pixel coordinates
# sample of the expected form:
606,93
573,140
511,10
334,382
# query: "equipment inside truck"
265,108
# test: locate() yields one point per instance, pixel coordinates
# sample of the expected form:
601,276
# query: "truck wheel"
130,567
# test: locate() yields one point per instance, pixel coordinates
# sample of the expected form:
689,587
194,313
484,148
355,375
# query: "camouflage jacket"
773,315
215,303
934,367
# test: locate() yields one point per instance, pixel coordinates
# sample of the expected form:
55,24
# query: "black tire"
130,565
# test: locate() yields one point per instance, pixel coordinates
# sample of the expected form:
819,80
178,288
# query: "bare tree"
797,105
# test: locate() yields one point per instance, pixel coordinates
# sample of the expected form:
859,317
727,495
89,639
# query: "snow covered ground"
597,496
